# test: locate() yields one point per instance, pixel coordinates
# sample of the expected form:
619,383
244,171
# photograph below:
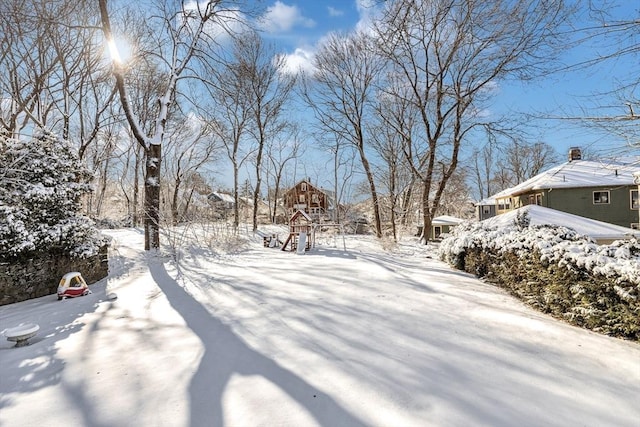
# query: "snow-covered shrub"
555,270
42,182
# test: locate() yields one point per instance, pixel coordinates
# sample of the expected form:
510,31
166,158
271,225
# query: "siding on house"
306,197
600,190
580,201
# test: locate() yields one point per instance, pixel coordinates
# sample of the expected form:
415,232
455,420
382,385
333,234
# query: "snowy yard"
361,337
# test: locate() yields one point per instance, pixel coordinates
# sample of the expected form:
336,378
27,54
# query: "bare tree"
346,68
525,160
230,115
497,166
609,45
184,34
191,144
268,89
395,124
55,77
449,53
279,154
343,160
101,155
27,63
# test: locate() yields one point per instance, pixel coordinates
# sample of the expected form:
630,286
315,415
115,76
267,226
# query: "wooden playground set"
302,234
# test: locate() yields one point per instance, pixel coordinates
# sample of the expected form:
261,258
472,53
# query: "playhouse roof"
302,213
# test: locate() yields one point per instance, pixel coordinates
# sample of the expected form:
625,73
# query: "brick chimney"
575,154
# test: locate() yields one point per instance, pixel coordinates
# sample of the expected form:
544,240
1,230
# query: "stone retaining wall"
40,275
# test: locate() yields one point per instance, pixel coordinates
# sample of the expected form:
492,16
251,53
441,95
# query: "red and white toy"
72,285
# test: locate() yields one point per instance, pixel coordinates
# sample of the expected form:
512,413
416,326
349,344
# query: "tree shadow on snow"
226,354
38,365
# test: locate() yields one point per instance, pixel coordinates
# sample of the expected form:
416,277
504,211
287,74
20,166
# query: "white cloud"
281,17
223,24
365,7
367,10
301,60
335,12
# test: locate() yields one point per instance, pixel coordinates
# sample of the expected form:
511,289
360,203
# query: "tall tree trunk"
406,202
103,187
374,194
256,191
136,188
427,218
276,192
175,214
152,198
236,198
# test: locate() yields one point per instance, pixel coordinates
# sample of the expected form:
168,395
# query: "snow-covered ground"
360,337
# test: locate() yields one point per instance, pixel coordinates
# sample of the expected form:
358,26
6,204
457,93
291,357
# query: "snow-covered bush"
42,182
556,270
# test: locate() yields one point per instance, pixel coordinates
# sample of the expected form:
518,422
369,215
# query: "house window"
504,204
486,210
303,186
600,197
437,231
314,198
301,198
539,199
634,199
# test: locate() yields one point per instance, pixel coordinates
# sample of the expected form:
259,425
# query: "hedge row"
571,291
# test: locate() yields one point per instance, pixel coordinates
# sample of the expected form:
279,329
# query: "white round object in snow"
21,334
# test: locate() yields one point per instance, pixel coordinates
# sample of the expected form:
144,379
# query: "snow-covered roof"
301,213
223,197
579,173
487,201
446,220
540,215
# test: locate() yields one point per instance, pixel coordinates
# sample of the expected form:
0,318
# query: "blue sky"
298,26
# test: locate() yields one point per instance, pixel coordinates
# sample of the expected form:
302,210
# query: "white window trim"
631,200
608,202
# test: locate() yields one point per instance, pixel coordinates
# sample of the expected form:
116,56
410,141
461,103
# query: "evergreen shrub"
42,182
557,271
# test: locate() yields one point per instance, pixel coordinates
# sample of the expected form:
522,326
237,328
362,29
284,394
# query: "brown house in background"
308,198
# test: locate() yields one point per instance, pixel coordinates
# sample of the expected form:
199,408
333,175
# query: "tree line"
398,103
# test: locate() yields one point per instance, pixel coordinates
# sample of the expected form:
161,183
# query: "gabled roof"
308,183
579,173
300,213
539,215
218,196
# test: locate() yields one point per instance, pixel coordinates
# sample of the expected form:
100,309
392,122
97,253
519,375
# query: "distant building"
221,203
441,225
486,208
306,197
